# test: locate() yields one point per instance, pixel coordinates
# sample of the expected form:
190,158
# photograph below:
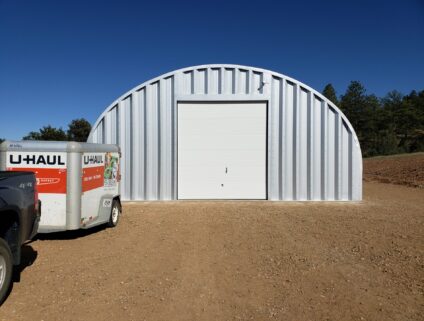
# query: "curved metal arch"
192,68
344,182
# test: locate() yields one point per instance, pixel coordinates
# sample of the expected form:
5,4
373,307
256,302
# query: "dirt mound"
405,169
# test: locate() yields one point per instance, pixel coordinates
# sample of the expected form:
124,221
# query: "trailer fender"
105,206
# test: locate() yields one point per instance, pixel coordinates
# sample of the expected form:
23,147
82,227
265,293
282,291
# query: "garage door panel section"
222,150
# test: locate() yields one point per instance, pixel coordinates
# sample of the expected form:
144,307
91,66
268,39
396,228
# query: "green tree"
410,117
330,93
394,124
389,121
78,130
47,133
362,111
386,140
353,102
417,106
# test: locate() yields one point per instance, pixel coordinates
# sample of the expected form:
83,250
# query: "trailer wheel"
115,214
5,269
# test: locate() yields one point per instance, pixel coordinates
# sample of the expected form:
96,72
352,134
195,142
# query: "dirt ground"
405,169
234,261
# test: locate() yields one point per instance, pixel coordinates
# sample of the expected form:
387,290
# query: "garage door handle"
226,170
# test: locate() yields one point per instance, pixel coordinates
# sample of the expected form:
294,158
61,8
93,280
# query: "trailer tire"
6,267
115,214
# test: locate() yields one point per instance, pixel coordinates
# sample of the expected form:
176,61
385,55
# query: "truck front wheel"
5,269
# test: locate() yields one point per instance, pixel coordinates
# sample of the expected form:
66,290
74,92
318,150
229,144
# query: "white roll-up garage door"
222,150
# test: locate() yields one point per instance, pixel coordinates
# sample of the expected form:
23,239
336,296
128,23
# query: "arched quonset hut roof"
313,152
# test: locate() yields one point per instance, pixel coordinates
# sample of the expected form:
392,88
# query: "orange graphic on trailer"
92,171
92,178
49,180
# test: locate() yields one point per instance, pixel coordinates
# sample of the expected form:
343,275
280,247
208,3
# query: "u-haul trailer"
78,183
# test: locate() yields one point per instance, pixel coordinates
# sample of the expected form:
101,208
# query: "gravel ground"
234,261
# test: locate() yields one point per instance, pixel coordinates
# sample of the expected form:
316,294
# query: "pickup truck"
19,218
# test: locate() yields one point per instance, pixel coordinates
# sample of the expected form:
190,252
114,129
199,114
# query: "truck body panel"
19,213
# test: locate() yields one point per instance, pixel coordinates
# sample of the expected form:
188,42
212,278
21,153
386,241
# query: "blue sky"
61,60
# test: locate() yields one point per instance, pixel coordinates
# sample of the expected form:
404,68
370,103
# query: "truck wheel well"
7,220
9,231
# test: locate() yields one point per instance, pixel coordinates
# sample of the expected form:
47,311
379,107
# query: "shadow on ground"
70,235
28,257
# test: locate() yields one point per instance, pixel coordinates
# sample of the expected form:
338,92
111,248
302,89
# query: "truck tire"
5,269
115,214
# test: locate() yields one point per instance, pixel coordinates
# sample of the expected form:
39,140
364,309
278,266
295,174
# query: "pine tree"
361,111
330,93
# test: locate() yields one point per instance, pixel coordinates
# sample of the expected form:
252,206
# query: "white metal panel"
222,151
152,142
136,144
114,125
200,83
274,138
124,141
142,155
228,81
344,166
288,142
295,171
108,133
257,82
214,81
331,155
356,168
243,82
302,146
166,143
317,149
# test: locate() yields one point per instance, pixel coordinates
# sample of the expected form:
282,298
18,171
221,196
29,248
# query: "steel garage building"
231,132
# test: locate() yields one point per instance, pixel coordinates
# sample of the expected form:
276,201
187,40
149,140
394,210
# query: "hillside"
404,169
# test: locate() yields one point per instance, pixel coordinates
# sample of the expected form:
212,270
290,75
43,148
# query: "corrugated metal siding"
313,152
